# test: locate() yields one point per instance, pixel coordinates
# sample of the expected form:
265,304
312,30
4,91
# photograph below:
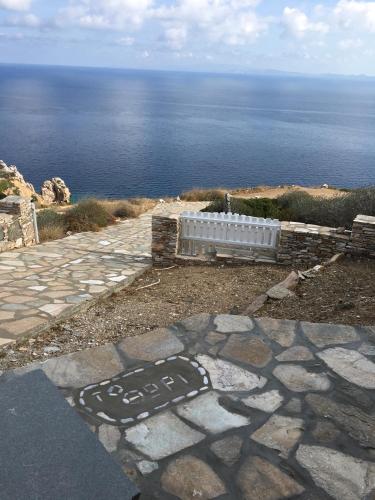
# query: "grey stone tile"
206,412
280,433
247,349
152,346
282,331
109,436
296,353
226,376
228,449
189,477
350,365
162,435
342,476
267,401
260,480
297,379
197,323
226,323
80,368
324,334
357,424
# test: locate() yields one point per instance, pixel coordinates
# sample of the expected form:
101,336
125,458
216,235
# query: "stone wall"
309,244
305,244
164,239
16,223
363,236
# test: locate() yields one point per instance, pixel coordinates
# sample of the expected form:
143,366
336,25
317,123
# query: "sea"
121,133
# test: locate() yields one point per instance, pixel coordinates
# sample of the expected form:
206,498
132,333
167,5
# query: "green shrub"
51,225
255,207
299,206
333,212
4,185
87,215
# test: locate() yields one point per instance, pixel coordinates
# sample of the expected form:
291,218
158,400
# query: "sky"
241,36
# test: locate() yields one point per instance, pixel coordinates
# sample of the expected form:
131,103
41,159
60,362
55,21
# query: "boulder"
55,191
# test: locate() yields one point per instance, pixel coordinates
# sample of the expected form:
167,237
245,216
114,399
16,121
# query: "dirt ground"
343,293
275,192
182,292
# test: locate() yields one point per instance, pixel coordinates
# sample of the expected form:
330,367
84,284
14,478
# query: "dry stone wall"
164,239
16,223
305,244
363,236
310,244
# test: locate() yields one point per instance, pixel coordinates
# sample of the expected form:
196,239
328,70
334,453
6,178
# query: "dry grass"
50,233
203,194
123,209
257,192
88,215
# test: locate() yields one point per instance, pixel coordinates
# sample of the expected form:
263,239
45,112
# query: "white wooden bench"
206,231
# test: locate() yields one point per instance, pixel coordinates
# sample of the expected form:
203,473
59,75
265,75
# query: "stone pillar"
16,223
164,240
363,236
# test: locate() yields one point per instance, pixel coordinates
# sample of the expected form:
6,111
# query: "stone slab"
296,353
196,323
207,413
226,376
282,331
267,401
152,346
350,365
228,449
80,368
297,379
324,334
162,435
260,480
279,433
189,477
342,476
48,452
357,424
227,323
247,349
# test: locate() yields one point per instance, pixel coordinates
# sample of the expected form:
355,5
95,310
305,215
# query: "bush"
87,215
255,207
4,185
203,195
333,212
131,208
51,225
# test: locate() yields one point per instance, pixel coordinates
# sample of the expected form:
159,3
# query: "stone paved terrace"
44,283
229,407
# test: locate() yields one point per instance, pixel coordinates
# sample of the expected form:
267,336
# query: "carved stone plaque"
137,394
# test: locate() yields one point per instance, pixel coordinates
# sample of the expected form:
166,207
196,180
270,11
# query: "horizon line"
252,72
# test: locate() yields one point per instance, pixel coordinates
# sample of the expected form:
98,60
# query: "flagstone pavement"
44,283
231,408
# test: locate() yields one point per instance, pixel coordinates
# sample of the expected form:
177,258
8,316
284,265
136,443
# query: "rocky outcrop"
12,182
55,191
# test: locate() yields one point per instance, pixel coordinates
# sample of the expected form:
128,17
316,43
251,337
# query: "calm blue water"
123,133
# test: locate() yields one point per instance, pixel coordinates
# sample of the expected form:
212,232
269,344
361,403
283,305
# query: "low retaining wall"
299,243
16,223
309,244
